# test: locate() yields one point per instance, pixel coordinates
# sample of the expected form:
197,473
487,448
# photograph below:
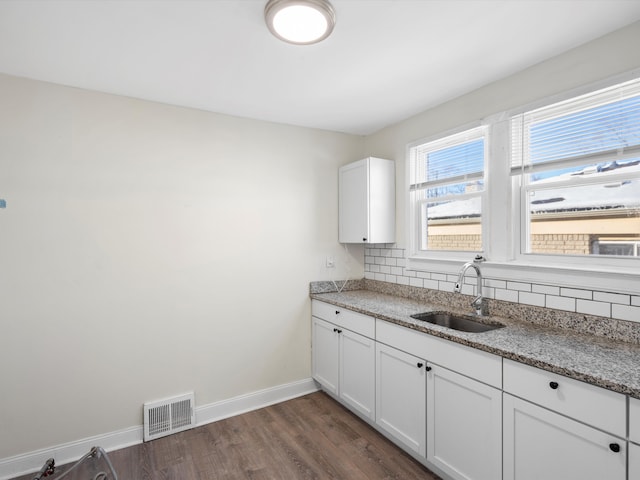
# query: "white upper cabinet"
367,201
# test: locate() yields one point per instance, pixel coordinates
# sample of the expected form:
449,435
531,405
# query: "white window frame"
502,211
468,132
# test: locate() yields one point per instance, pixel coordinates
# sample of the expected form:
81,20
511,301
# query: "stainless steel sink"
457,322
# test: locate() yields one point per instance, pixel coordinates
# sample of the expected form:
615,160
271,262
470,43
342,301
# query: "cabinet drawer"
593,405
356,322
634,420
468,361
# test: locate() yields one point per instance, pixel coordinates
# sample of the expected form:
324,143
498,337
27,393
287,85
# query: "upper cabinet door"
367,201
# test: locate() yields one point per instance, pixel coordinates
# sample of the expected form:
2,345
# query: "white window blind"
455,159
598,127
446,190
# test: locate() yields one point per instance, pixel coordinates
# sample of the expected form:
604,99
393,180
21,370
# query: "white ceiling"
385,61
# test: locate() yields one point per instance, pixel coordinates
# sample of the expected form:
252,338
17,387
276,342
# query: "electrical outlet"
330,262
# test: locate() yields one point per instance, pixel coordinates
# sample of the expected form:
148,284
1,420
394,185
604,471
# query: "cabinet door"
401,397
357,372
325,348
542,445
464,425
353,203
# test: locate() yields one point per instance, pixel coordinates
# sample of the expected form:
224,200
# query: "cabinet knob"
420,364
337,312
615,447
364,239
553,385
339,331
427,368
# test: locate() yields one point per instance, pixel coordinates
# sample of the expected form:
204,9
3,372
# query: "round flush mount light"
301,22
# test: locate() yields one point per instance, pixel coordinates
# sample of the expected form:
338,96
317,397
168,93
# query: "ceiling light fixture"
301,22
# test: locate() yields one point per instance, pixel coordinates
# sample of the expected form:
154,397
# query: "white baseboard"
68,452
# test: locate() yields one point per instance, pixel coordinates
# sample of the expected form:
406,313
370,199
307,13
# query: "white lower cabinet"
325,354
401,397
464,425
471,414
357,372
634,461
344,364
539,444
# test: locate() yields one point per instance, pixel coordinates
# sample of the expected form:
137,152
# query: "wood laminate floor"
310,437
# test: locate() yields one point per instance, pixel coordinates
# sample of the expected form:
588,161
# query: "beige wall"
148,250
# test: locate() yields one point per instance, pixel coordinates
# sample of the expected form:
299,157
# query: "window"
576,166
446,190
549,193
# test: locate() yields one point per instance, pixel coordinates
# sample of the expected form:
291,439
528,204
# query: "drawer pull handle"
614,447
427,368
553,385
420,364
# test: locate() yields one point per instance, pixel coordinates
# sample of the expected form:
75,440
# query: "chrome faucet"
478,302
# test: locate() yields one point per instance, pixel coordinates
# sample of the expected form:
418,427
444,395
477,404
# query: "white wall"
147,250
605,57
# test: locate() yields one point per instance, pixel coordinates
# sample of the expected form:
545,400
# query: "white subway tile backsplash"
522,287
468,289
506,295
446,286
590,307
612,298
575,293
625,312
546,289
561,303
380,277
386,263
433,284
391,279
492,282
529,298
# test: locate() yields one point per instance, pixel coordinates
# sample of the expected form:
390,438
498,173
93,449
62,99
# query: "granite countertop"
593,359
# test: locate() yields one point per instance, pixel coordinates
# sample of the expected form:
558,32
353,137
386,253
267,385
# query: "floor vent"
168,416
